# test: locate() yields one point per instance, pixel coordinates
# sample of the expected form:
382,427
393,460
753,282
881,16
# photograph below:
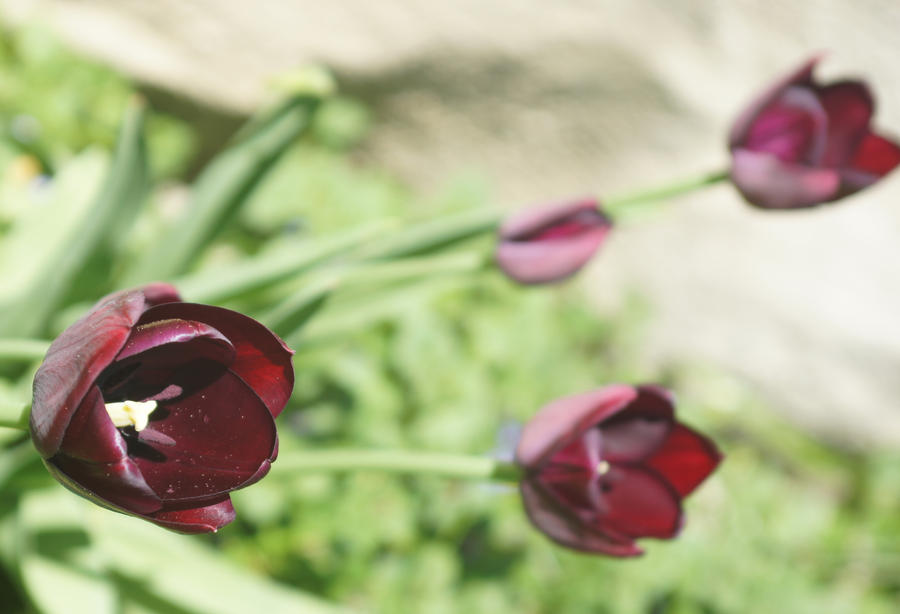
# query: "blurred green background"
450,363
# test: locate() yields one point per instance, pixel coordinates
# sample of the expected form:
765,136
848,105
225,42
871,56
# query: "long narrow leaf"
69,243
222,188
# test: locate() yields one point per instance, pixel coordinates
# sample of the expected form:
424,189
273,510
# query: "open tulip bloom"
158,408
609,466
802,143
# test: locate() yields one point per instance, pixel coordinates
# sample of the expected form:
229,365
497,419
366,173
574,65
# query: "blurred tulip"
158,408
550,243
802,143
609,466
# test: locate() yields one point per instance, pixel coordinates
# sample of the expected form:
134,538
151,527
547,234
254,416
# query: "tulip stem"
14,417
397,461
22,350
616,204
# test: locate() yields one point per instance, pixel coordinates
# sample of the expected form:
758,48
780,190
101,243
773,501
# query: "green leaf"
56,241
56,587
181,570
88,549
295,311
425,237
219,284
223,187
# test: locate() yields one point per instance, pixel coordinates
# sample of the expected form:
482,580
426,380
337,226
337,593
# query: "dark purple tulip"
802,143
159,409
609,466
550,243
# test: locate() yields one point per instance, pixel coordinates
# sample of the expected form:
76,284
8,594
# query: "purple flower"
551,242
802,143
609,466
159,409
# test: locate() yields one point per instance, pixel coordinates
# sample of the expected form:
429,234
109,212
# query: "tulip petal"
262,360
206,519
849,106
555,521
117,485
91,435
793,128
685,459
768,183
802,75
637,503
563,421
550,243
163,355
207,443
876,155
75,360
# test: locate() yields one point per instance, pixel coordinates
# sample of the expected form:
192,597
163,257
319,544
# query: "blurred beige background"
554,99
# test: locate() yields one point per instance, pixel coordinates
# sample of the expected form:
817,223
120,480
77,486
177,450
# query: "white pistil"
603,467
131,413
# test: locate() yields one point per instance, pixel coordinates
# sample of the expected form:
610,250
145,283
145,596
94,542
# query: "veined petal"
78,356
262,360
215,440
207,518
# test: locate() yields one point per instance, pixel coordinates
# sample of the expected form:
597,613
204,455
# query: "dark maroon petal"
637,431
801,76
205,444
550,243
91,435
637,503
74,361
563,421
158,292
206,519
209,342
556,522
161,360
685,459
581,456
876,155
262,360
767,182
849,107
118,485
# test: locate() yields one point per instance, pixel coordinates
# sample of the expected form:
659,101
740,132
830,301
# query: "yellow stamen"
131,413
602,467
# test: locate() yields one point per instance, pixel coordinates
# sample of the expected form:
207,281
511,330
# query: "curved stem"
397,461
14,417
615,204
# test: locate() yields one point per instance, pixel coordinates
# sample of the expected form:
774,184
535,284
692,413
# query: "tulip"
550,243
157,408
802,143
606,467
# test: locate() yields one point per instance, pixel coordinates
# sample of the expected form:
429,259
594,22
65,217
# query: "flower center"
603,467
131,413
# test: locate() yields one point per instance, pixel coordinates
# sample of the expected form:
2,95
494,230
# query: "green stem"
397,461
14,417
22,350
615,204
